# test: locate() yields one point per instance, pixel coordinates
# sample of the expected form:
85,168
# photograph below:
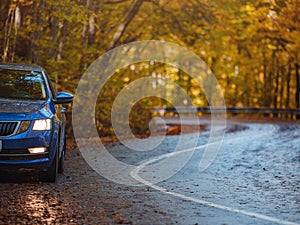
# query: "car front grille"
8,128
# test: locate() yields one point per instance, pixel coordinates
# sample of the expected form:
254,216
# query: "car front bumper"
14,150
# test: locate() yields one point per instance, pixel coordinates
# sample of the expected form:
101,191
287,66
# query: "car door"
59,116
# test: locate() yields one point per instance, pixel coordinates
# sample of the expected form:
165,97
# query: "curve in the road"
135,175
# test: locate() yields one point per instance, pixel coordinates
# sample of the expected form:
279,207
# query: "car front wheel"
51,174
62,158
61,163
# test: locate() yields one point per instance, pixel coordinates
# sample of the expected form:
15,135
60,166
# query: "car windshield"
18,84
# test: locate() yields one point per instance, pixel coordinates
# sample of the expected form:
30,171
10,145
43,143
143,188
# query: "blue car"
32,121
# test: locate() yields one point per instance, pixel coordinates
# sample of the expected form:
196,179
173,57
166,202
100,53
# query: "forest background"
251,46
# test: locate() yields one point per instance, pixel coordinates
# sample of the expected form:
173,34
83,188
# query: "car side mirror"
63,97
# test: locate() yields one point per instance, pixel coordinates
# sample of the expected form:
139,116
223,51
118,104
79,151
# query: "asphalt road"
255,179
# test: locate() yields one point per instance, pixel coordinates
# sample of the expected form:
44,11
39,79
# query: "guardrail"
234,110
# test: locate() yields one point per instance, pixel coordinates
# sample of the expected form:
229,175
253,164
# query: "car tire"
61,161
62,158
51,174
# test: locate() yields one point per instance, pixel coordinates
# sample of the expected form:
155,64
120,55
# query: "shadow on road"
16,176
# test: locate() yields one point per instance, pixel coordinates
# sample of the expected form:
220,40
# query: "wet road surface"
255,179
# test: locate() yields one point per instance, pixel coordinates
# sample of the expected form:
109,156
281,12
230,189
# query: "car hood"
20,106
24,109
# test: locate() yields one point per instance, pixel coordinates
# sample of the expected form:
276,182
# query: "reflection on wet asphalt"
257,169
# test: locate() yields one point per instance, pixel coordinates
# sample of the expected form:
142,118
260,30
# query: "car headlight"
42,124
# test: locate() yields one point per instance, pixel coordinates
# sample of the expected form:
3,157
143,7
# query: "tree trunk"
62,39
17,23
92,24
281,91
133,10
265,79
89,28
7,32
85,24
36,34
276,88
269,81
54,23
288,83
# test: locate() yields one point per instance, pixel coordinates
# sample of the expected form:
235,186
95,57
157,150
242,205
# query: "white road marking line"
134,174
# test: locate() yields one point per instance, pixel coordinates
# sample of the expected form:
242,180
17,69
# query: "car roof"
25,67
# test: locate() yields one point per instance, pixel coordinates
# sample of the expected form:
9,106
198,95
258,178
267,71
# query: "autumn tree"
251,46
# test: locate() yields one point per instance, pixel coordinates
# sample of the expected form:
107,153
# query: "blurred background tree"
252,46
